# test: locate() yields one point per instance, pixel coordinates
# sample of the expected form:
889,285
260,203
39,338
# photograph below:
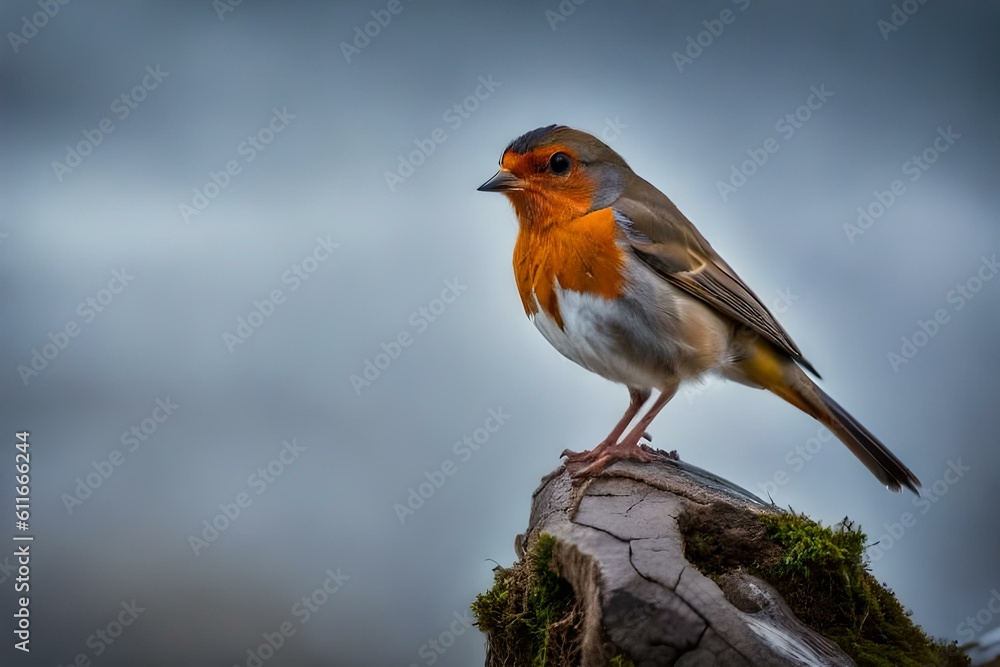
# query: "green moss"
490,608
551,601
810,547
822,573
530,615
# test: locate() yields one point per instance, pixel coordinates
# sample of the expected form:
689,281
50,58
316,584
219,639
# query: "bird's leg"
629,447
635,435
638,399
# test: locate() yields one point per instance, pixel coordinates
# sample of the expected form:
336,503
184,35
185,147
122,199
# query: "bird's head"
555,174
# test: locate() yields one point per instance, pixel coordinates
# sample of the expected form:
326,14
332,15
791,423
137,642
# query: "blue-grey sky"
200,246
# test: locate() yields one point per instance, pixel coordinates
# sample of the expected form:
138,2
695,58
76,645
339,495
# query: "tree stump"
617,543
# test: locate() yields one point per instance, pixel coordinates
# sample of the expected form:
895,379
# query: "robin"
619,281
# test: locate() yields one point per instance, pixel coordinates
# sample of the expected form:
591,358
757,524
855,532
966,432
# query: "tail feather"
768,369
876,456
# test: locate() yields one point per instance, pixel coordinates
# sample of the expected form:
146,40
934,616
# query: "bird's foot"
590,463
591,455
588,456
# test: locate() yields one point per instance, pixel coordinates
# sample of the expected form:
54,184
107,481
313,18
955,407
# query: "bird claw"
587,456
601,460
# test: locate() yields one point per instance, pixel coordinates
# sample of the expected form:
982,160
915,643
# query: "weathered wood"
619,546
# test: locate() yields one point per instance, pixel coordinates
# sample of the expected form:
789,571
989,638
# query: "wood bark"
619,546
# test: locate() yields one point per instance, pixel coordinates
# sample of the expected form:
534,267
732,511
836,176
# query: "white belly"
651,339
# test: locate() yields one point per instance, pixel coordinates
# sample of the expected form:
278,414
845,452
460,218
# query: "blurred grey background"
308,115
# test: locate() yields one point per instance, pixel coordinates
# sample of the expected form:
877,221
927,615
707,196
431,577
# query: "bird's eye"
560,163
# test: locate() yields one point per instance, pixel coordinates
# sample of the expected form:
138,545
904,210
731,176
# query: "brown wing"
669,244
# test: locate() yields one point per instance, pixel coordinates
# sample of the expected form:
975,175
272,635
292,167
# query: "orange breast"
581,254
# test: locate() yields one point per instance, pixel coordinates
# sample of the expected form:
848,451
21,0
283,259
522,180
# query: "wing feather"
666,241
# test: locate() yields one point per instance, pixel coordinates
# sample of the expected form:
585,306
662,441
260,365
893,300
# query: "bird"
619,281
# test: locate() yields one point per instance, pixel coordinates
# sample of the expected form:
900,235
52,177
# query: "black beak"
502,181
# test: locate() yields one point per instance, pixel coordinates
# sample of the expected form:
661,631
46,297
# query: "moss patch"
822,574
530,615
